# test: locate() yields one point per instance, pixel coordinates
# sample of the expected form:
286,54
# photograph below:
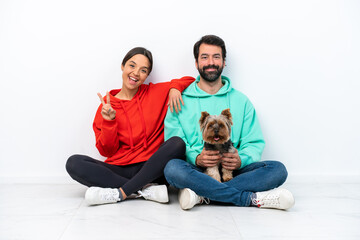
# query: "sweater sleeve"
173,128
107,141
251,141
182,83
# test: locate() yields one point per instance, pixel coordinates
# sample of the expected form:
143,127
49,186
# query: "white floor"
57,211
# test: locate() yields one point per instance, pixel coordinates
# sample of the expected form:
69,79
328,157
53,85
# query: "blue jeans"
256,177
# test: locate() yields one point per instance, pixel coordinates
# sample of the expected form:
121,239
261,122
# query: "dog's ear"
226,113
204,116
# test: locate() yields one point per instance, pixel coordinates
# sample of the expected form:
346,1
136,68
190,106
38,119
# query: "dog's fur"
216,131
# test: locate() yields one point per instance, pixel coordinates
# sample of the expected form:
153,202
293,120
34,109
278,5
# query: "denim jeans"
255,177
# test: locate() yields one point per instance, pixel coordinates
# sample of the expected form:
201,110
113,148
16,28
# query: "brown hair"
139,50
211,40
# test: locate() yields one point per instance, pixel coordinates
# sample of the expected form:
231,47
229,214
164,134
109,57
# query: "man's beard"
210,76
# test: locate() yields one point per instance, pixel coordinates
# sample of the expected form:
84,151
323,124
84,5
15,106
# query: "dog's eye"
221,125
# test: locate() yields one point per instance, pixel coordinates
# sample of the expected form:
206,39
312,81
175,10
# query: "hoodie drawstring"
143,123
129,126
228,99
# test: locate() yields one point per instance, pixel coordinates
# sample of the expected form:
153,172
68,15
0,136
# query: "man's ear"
202,121
122,67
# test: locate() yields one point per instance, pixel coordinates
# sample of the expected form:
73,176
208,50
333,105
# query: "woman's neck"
126,94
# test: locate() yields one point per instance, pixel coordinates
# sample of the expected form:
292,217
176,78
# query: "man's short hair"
211,40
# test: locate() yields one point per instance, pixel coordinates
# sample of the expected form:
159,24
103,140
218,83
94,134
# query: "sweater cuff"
245,160
191,157
109,123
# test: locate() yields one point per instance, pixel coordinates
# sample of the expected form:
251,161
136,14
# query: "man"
255,182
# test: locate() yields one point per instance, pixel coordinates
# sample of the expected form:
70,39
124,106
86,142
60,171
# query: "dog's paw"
215,176
214,173
227,175
228,178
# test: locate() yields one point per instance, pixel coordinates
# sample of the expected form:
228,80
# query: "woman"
129,131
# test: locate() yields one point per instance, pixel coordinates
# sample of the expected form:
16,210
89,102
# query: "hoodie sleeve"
251,140
182,83
173,128
107,141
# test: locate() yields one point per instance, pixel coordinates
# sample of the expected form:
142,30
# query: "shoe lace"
267,200
144,193
108,195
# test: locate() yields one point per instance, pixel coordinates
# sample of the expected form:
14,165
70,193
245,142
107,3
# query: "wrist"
196,161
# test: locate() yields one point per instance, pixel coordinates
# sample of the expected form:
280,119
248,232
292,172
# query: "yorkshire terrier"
216,131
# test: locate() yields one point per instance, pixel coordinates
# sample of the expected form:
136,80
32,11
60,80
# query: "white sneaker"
278,198
188,199
157,193
98,195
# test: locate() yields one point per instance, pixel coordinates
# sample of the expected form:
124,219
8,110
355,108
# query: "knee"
280,170
177,143
176,148
170,168
173,170
71,163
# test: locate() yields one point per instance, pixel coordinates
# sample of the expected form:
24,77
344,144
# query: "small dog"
216,131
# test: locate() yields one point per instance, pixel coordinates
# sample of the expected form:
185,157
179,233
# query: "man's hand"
208,158
231,161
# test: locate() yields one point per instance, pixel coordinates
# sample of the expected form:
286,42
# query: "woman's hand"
175,99
107,111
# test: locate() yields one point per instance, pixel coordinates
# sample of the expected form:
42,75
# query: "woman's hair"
211,40
139,50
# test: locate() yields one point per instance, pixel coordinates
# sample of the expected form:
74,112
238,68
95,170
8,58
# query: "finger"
214,158
107,97
105,110
178,104
210,163
176,107
171,106
101,99
228,164
230,155
228,167
182,100
211,152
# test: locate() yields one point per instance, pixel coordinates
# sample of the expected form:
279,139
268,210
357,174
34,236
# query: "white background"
297,61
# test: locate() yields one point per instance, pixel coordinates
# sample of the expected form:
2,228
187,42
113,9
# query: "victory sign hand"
107,111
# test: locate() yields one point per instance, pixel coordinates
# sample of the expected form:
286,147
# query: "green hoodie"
245,132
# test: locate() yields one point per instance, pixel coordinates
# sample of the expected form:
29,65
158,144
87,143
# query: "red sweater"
137,131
